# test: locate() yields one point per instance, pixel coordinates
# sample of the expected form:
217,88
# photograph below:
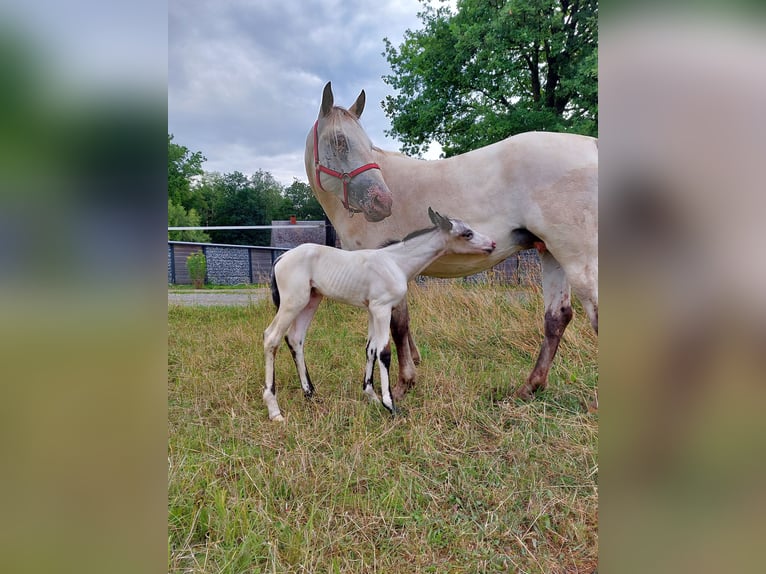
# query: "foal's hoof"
279,418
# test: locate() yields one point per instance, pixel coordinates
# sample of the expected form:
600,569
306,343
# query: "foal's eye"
468,234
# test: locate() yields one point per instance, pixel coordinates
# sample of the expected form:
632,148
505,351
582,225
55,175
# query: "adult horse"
536,189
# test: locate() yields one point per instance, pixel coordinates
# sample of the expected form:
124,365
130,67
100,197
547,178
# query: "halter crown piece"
344,177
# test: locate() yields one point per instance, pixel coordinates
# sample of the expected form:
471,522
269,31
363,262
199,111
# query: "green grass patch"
466,480
173,288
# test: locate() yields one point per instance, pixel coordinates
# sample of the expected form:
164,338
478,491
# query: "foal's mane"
416,233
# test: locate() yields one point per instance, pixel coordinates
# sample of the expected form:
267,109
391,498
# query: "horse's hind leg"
558,314
296,337
583,277
406,351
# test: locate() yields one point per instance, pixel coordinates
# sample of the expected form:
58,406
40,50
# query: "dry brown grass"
466,480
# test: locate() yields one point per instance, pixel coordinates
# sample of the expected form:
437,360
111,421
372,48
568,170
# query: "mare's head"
462,239
339,160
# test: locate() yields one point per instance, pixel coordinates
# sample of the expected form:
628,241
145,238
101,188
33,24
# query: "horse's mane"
416,233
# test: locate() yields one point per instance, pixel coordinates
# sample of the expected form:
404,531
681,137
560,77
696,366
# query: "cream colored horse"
535,189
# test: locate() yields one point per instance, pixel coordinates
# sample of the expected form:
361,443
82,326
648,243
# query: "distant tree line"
200,198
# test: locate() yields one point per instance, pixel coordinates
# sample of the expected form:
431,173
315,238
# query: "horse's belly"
462,265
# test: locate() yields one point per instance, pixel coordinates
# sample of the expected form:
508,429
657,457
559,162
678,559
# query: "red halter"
344,177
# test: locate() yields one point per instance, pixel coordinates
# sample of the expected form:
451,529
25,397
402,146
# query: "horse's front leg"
406,350
558,314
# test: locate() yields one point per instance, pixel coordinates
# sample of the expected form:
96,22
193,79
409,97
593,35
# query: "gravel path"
209,298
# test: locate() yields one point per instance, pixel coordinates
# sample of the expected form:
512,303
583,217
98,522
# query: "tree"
240,200
183,165
304,204
179,217
492,70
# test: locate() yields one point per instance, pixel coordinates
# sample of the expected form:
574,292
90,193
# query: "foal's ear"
327,99
438,220
358,106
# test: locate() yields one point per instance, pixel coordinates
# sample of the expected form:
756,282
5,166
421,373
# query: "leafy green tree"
304,204
236,199
183,165
204,197
179,217
277,205
493,69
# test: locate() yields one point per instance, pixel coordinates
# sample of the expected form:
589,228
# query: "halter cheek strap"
344,177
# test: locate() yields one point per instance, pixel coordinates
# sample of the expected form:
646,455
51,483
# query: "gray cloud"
245,78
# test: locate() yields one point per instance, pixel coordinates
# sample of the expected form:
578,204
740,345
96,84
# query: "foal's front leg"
369,367
380,319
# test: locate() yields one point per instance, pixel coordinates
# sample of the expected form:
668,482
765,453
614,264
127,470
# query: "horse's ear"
358,106
327,99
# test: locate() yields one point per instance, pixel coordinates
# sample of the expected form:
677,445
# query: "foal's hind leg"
406,351
296,338
558,314
271,340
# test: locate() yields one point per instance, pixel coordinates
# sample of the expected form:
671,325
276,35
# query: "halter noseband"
344,177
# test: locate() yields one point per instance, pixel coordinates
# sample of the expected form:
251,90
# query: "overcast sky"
245,77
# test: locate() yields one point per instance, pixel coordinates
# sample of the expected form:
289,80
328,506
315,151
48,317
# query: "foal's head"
462,239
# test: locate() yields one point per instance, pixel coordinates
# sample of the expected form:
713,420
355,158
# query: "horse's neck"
416,253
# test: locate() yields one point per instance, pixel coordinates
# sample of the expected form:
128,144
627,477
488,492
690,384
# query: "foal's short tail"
274,288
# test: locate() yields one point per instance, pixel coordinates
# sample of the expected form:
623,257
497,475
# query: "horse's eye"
341,144
468,234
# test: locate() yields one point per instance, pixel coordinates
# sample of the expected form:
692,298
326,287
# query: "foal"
372,278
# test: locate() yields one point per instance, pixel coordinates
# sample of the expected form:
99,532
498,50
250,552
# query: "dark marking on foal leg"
310,393
273,384
555,324
271,387
368,377
385,360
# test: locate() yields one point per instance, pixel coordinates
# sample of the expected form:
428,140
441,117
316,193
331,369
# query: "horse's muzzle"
379,205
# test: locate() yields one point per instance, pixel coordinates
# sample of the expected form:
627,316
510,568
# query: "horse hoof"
279,418
400,390
525,393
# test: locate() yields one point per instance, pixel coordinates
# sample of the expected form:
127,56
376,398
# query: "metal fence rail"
242,264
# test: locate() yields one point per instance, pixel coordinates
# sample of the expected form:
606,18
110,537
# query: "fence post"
204,252
172,264
329,232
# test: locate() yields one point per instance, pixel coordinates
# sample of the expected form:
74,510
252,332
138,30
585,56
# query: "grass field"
466,479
